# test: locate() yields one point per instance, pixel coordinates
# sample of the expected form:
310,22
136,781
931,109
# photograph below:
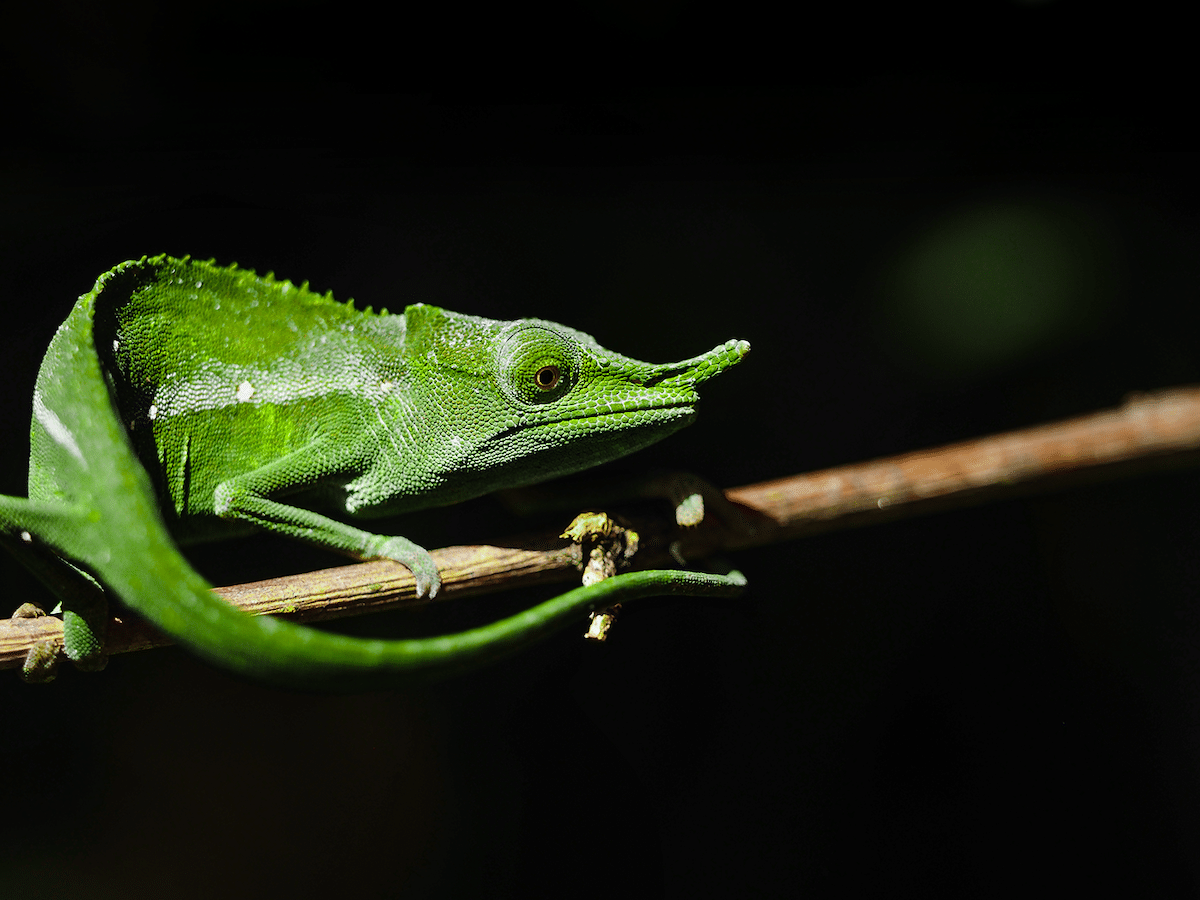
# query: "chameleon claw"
413,557
41,663
425,573
427,584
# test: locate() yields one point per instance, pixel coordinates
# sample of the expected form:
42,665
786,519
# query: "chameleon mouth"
657,415
664,411
674,410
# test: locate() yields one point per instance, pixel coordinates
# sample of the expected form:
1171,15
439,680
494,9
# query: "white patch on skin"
58,432
286,382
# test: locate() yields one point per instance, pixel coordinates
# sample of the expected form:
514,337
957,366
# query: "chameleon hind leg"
82,600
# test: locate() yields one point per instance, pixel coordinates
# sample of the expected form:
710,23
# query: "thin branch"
1148,432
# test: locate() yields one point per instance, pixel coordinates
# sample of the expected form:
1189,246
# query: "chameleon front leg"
247,498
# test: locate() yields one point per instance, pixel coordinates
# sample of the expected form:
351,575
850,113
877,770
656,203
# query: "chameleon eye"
536,364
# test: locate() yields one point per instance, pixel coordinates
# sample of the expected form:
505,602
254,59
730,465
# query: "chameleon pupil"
547,378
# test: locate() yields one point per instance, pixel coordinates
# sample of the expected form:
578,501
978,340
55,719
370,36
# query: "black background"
931,222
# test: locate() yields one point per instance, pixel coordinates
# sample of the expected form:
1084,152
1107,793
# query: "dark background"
931,221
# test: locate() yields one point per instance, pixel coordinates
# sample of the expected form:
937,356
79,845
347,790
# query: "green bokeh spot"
996,283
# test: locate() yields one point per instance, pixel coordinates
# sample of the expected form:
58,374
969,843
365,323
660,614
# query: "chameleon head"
544,400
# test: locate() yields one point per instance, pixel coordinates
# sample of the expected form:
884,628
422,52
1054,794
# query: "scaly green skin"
184,398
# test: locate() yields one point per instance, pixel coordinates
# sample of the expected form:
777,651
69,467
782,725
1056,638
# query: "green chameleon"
184,401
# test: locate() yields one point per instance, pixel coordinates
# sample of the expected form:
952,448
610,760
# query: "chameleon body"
185,399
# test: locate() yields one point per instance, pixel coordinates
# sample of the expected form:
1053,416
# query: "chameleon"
185,401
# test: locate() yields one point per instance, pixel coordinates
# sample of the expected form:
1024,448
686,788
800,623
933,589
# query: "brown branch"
1149,432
